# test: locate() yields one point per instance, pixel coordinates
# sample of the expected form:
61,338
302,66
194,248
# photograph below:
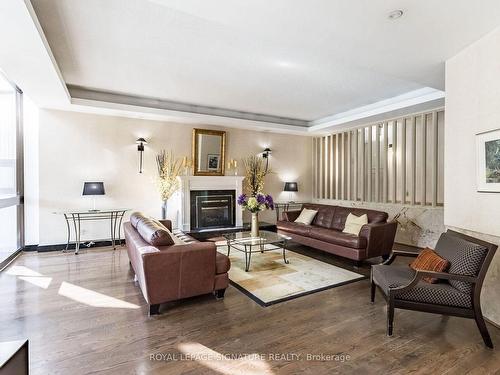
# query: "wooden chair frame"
477,281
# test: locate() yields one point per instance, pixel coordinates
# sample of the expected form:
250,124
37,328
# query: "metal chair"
458,291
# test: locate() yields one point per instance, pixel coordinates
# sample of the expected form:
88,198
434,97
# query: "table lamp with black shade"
291,187
93,189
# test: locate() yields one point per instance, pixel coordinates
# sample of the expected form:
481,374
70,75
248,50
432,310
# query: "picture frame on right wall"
488,161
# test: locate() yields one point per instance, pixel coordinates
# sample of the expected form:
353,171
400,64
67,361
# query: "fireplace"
212,209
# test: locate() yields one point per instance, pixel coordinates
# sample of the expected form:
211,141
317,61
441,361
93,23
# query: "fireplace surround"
195,184
212,209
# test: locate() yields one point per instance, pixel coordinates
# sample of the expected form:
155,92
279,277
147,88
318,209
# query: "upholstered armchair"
458,291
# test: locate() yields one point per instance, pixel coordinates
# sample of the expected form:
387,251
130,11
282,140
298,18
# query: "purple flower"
242,199
269,202
261,199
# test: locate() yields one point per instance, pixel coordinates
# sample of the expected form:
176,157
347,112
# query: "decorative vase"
254,228
164,210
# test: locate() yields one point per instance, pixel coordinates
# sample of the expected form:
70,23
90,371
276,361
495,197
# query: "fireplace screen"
212,209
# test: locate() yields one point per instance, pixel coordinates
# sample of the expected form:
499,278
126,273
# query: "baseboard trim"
10,259
72,246
496,325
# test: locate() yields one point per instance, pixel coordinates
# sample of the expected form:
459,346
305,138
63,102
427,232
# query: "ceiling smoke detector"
395,14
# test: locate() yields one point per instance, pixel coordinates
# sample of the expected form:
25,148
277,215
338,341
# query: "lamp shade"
291,186
93,188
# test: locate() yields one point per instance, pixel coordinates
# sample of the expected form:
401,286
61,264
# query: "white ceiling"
301,59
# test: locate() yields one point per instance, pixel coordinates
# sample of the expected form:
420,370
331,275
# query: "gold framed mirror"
209,148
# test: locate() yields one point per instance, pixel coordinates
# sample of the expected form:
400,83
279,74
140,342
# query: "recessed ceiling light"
395,14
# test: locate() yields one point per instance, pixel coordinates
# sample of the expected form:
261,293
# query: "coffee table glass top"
265,237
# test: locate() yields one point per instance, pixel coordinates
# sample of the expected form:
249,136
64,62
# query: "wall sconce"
265,154
140,147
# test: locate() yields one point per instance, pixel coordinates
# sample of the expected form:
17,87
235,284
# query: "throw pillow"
306,216
429,260
354,223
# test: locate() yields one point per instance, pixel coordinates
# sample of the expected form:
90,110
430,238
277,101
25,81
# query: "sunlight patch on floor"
92,298
244,364
30,276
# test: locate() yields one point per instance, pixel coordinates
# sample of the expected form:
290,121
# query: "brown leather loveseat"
168,268
325,232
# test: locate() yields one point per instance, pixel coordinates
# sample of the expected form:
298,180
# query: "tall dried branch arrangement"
169,169
255,171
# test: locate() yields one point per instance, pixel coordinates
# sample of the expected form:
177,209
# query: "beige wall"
76,147
473,106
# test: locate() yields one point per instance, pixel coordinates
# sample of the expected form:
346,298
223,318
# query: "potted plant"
255,204
169,168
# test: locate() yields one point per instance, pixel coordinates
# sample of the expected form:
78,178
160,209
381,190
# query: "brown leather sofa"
168,269
325,232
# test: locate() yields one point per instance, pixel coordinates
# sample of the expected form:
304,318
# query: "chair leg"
154,309
390,316
372,292
482,329
219,294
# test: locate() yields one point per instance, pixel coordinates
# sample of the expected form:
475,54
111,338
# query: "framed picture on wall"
488,161
213,161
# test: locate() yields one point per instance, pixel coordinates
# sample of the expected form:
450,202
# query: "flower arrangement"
169,168
255,171
255,204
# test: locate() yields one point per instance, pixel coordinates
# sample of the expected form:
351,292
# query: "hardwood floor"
83,314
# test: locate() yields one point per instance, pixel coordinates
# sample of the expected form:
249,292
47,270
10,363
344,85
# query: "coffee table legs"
247,249
248,257
284,253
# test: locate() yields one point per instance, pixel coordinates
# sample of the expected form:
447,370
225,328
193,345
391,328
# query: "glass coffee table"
244,242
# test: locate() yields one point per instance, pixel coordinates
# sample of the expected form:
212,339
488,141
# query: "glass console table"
75,217
286,206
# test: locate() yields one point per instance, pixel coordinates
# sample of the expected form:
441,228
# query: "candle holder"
232,165
187,164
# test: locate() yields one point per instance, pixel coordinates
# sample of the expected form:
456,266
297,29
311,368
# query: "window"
11,170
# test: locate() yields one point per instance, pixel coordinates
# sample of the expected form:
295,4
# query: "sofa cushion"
354,223
466,258
222,263
341,214
324,216
306,216
135,217
338,238
393,276
153,233
293,227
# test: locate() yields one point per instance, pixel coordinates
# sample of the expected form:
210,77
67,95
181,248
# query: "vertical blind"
396,161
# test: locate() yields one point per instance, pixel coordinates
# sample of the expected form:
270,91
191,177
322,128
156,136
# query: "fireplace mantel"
189,183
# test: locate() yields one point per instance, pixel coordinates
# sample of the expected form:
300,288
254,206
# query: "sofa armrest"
179,271
379,238
167,224
290,215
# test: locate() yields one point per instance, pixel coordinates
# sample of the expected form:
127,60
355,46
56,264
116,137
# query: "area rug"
270,280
